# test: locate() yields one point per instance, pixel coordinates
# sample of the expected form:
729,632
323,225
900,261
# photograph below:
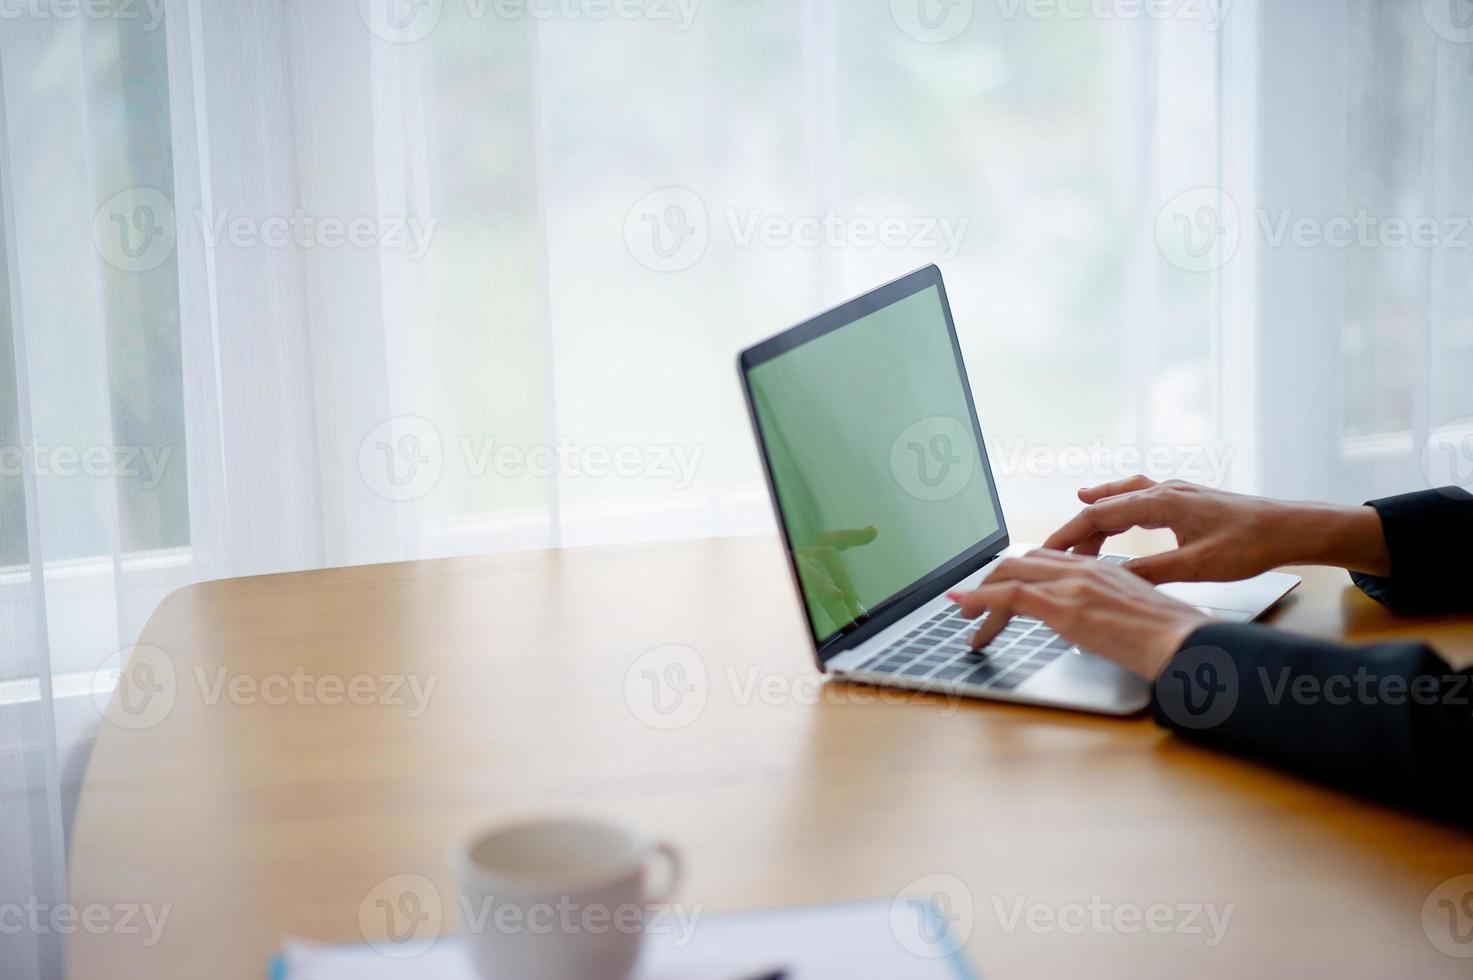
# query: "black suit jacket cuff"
1429,536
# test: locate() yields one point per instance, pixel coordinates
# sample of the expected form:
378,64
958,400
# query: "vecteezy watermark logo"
1447,917
566,917
1364,230
1212,13
149,12
668,230
1364,687
1199,688
400,917
1447,456
400,21
1202,229
135,229
933,916
1099,462
402,458
933,458
567,460
145,464
932,21
941,234
1451,19
1101,918
1199,230
411,692
756,686
667,687
136,687
410,234
407,21
37,918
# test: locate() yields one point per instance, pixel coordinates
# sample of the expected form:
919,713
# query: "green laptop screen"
870,443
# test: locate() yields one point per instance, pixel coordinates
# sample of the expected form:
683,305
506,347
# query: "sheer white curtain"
94,526
293,285
1351,299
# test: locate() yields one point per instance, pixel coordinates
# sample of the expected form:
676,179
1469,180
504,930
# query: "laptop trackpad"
1235,602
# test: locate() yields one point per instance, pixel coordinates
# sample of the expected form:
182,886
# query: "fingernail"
955,597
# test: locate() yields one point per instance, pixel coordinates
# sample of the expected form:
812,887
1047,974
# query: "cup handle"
674,871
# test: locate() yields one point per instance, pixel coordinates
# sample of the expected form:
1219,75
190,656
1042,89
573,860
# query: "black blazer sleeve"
1392,720
1430,538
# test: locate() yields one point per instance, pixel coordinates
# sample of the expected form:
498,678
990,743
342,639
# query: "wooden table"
249,820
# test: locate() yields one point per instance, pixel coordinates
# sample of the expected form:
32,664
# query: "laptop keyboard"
940,650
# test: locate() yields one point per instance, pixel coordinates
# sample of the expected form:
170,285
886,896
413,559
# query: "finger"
845,539
833,562
820,588
1177,565
1003,602
1095,494
1071,559
996,621
1021,571
1092,545
1110,516
1040,567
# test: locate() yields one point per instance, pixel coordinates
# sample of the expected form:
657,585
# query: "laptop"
879,475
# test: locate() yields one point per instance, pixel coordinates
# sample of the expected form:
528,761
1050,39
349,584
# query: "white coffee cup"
559,898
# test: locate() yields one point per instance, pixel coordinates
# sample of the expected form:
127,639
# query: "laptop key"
917,670
1009,681
953,672
982,675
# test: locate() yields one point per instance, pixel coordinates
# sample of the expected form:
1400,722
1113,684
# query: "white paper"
855,941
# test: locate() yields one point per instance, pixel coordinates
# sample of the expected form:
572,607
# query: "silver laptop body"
879,477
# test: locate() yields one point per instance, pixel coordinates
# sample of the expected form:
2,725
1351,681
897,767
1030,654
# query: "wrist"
1344,537
1173,640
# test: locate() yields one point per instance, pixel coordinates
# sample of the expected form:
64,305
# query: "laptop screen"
872,451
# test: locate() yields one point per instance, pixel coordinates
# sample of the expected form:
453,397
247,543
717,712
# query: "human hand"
1221,536
826,578
1096,605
